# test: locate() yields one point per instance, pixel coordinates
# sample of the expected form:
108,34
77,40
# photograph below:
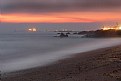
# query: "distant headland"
106,31
114,31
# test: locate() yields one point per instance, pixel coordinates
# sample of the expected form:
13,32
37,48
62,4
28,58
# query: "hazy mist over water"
23,51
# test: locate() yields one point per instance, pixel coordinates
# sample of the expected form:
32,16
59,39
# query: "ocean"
19,51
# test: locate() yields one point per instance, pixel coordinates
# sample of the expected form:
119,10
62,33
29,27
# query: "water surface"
28,50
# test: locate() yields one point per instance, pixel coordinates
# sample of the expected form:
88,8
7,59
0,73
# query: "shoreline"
103,64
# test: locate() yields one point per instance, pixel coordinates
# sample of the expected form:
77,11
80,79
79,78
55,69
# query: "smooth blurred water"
28,50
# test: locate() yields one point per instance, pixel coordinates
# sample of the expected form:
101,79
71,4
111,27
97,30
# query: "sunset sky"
59,11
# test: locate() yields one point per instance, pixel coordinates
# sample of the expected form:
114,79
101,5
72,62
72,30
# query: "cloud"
39,6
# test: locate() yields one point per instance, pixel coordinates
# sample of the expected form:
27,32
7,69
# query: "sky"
60,11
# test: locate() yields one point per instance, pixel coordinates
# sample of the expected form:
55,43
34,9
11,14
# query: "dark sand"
98,65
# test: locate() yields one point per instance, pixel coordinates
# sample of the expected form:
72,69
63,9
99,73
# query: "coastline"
98,65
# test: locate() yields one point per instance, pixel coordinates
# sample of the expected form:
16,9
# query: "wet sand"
98,65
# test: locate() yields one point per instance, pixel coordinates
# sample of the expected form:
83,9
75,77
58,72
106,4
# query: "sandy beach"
98,65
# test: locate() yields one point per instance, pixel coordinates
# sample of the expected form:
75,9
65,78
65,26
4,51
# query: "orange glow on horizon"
60,17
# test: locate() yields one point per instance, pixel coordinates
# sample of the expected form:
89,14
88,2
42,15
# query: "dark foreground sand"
98,65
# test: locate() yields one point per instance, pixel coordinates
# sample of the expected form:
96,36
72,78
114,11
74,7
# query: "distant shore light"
32,29
112,28
120,28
